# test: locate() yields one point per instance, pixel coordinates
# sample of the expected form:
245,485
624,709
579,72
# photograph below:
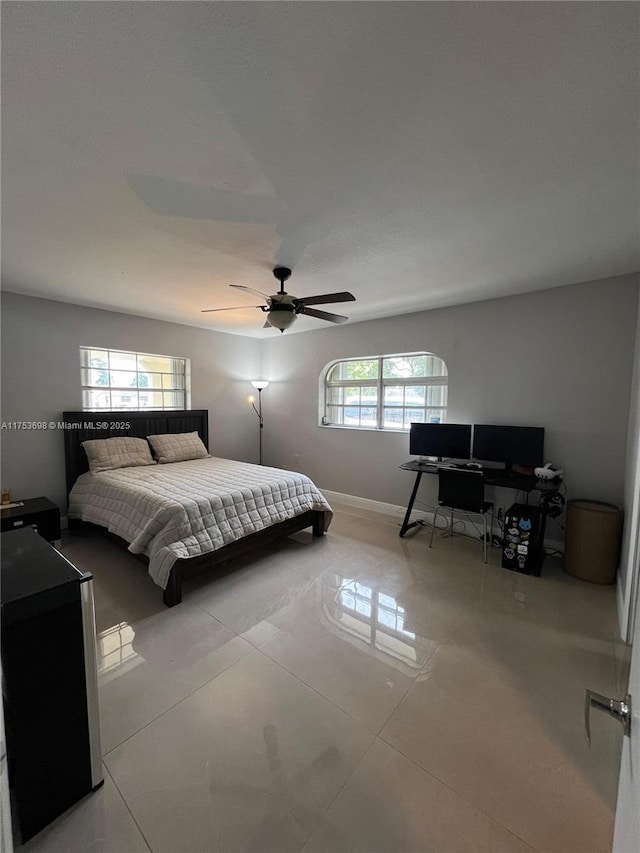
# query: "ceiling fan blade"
237,308
322,315
326,298
267,325
250,290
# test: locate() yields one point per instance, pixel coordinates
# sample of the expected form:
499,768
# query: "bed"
187,515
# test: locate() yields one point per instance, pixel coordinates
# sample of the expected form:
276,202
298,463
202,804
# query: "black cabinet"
40,513
49,680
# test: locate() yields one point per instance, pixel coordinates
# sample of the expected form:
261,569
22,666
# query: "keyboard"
465,466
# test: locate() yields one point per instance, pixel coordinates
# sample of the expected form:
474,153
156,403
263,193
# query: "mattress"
185,509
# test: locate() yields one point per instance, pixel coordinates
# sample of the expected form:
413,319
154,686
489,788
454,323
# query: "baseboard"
397,512
367,504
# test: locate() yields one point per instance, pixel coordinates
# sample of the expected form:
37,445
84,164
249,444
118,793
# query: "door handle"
619,709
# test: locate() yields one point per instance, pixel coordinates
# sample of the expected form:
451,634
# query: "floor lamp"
259,385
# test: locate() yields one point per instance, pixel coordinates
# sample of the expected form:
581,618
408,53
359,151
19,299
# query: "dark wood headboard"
81,426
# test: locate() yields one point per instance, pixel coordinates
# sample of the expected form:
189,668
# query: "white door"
627,832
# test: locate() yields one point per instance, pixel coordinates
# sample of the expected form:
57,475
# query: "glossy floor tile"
264,590
523,760
353,641
250,761
497,715
359,692
391,804
147,666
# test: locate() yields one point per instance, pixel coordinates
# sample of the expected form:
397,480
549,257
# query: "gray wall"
41,379
558,358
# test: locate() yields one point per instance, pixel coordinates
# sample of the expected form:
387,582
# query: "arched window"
385,392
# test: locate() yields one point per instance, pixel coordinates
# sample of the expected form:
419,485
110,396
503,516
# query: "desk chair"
463,490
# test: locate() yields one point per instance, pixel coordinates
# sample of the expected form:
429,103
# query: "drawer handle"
18,523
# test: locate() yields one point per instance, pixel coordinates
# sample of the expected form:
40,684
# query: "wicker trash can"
592,540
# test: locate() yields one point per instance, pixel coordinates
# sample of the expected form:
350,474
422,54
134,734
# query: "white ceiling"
417,154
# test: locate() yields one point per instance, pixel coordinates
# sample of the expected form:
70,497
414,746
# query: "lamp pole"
259,385
258,412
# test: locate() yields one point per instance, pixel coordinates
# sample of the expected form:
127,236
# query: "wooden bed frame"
82,426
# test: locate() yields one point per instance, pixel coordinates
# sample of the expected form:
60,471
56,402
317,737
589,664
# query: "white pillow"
105,454
178,447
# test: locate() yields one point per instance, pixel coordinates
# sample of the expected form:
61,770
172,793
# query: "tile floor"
355,693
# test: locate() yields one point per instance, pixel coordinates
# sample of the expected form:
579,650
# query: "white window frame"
184,374
380,383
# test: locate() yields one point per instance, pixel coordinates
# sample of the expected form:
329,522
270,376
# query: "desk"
492,477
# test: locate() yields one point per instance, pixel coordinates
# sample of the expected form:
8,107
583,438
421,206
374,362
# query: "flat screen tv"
513,445
443,441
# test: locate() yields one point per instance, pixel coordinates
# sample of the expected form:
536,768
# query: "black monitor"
513,445
444,441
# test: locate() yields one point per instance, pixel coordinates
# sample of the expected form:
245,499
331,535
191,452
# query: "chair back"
460,489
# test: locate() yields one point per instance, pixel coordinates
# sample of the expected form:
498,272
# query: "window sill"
364,429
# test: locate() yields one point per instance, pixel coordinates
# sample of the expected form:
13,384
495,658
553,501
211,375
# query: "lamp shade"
260,384
280,319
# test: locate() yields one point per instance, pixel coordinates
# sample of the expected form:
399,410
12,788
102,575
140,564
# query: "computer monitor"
513,445
444,441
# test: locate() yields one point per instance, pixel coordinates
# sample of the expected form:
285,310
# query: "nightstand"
39,512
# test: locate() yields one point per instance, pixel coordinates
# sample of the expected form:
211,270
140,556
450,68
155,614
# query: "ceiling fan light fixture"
281,317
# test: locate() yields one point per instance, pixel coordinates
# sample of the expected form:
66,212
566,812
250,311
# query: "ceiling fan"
282,309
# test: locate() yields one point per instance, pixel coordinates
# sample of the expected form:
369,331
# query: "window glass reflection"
373,616
115,649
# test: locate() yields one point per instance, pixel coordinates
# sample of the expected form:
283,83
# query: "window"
114,380
386,392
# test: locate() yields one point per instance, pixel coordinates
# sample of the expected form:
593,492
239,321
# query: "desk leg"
406,524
